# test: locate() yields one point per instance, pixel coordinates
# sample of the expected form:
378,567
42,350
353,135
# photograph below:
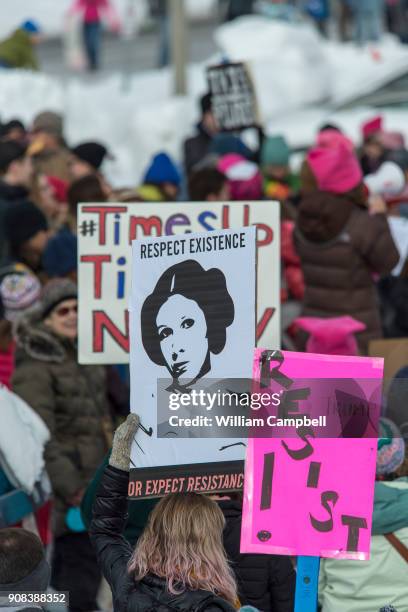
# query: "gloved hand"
122,443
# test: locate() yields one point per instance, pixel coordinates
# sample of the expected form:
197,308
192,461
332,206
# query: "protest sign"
105,233
309,494
233,96
192,318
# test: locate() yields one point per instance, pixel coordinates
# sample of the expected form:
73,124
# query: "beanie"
275,151
333,336
9,152
91,152
30,26
162,170
18,293
49,122
23,221
391,448
243,176
60,255
393,141
332,138
372,126
336,169
389,180
55,292
223,143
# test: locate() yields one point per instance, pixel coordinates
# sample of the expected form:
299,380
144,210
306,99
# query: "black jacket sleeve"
113,551
282,580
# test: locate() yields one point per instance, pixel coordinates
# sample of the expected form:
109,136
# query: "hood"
12,193
38,580
37,340
230,508
323,216
390,506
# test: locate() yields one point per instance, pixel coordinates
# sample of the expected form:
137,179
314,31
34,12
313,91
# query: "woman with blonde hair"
179,562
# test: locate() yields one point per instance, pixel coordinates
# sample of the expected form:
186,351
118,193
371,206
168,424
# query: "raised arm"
113,551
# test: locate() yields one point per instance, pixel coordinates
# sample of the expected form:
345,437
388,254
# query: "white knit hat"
389,180
19,292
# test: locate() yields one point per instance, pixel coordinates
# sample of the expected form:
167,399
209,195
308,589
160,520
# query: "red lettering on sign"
148,224
103,211
98,261
101,324
262,324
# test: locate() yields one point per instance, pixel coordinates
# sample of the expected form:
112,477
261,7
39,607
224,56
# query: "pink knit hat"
244,177
334,336
332,138
335,168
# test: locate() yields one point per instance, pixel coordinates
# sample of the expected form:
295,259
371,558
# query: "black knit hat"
91,152
9,152
23,221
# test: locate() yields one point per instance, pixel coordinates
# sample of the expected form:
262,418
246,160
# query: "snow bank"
287,61
135,117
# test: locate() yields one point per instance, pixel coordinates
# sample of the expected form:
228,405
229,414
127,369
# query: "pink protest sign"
306,493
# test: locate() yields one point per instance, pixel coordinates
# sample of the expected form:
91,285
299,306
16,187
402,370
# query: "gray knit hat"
49,122
55,292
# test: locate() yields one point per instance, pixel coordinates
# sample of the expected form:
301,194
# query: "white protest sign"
192,319
105,233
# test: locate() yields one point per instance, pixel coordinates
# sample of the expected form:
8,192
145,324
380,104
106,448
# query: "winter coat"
23,463
71,399
341,246
367,586
17,51
196,148
114,552
9,195
266,582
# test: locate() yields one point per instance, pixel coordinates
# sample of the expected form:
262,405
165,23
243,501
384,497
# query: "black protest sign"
233,96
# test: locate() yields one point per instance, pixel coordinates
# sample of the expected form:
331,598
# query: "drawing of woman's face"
182,331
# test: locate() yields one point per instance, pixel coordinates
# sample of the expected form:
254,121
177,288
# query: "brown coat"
342,247
72,400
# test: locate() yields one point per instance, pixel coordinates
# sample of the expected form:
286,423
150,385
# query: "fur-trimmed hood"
35,339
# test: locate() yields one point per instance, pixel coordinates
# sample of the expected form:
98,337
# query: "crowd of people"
338,255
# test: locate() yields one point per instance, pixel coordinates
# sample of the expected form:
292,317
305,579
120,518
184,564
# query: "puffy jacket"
71,399
9,195
17,51
367,586
266,582
341,246
114,551
196,148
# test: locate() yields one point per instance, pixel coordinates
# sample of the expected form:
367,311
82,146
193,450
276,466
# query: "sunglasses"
65,310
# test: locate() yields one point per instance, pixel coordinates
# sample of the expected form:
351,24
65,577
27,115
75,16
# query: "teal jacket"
368,586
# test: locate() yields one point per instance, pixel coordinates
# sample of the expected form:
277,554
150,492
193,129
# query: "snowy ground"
137,115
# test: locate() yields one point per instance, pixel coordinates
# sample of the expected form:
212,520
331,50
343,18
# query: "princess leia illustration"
184,321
